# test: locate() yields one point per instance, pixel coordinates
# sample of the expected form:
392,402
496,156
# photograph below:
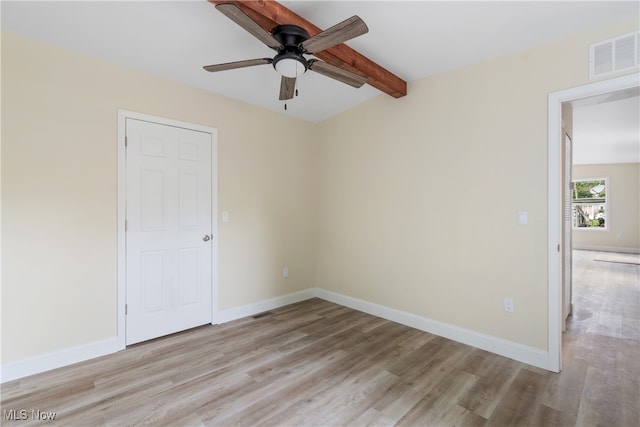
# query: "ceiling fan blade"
237,64
234,13
339,33
287,88
337,73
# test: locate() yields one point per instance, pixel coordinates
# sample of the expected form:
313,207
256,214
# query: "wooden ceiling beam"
269,13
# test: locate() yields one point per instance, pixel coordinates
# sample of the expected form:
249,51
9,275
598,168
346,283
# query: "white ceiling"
606,128
412,39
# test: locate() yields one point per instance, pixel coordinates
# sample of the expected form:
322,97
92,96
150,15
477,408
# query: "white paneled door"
168,229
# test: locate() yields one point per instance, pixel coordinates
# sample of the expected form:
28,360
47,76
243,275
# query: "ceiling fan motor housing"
289,61
292,43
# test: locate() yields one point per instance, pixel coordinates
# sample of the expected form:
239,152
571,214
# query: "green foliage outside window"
582,189
590,203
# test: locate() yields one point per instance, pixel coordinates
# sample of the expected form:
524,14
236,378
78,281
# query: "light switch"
225,216
522,217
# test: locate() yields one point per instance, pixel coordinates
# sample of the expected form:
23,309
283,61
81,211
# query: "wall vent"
614,55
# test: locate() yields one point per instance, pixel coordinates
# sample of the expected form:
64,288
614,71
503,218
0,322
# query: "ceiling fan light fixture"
290,65
292,43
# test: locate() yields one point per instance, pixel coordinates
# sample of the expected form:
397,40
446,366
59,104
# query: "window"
589,202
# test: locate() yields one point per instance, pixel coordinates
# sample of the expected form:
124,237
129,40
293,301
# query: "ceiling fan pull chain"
285,106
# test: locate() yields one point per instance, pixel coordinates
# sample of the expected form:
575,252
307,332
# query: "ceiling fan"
292,43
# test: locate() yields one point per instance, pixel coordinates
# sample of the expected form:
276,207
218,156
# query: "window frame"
607,195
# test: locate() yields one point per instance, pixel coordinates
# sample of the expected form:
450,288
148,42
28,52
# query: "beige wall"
410,203
419,196
59,195
623,197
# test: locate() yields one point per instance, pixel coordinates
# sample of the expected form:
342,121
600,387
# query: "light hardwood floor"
319,364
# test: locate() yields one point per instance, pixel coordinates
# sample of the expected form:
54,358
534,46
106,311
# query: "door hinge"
126,142
558,247
126,309
126,225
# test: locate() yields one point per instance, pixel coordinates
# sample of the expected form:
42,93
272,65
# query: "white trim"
502,347
165,121
554,238
607,249
261,306
506,348
554,214
68,356
122,242
122,116
214,225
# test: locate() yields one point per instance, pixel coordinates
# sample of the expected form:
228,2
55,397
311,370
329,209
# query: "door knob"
206,238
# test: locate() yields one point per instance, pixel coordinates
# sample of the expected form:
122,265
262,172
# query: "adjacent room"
319,213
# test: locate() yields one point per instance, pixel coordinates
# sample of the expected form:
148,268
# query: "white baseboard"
57,359
506,348
532,356
607,249
262,306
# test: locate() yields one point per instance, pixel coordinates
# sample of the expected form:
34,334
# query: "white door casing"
554,202
170,228
567,231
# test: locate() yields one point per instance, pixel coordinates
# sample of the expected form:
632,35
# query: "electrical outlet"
285,272
508,305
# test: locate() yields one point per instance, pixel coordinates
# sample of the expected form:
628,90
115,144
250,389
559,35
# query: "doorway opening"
558,183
